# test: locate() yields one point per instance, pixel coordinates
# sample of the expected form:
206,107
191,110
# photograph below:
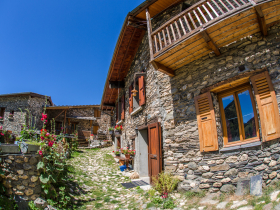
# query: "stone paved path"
95,184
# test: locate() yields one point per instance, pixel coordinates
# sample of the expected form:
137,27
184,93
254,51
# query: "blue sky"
59,48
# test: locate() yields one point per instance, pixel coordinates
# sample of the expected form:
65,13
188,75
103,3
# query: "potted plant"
11,116
117,152
132,152
111,130
126,152
118,130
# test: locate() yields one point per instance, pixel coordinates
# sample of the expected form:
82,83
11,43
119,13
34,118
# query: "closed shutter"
95,129
130,100
206,123
267,104
123,103
142,91
117,112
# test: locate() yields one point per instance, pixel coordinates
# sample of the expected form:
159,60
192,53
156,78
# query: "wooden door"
118,142
154,151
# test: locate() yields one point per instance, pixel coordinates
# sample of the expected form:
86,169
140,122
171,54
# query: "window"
2,112
97,113
238,115
139,91
120,109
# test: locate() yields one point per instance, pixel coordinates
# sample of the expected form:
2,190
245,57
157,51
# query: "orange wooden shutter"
206,122
122,115
267,104
130,100
117,112
141,83
95,129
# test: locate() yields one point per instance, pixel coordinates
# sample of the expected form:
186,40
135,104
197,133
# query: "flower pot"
118,155
127,156
123,167
118,133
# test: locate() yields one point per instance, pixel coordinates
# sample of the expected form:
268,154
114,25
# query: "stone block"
243,187
28,192
33,161
227,188
256,185
223,167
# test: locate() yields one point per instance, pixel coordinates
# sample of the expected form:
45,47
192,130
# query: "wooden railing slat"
211,17
224,5
238,5
182,25
164,38
172,30
169,37
233,7
177,27
159,39
155,38
205,19
188,25
198,19
190,16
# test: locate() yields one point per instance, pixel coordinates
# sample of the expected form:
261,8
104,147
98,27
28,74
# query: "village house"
17,109
196,87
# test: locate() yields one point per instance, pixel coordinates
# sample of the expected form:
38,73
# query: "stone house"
196,87
86,119
14,114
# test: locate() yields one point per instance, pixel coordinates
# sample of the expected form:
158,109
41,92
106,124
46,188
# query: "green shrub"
169,204
165,183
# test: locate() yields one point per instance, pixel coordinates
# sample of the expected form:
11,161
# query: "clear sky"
59,48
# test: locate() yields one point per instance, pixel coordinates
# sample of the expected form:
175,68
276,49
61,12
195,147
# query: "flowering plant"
117,152
111,129
91,135
125,151
131,152
118,127
1,118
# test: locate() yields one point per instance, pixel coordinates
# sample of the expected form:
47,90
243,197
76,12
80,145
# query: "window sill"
120,122
136,111
241,146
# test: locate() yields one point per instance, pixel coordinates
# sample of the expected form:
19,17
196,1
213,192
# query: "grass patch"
98,205
190,194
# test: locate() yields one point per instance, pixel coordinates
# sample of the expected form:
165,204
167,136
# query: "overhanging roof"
127,45
73,107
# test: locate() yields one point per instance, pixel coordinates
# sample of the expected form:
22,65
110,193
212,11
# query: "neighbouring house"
196,87
14,110
84,119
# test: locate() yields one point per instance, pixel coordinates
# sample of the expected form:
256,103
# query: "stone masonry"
21,175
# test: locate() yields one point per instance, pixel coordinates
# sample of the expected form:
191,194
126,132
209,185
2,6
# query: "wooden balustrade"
192,20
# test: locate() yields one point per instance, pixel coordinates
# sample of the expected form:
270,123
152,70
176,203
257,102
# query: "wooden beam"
163,68
109,105
210,42
149,27
65,118
261,20
116,84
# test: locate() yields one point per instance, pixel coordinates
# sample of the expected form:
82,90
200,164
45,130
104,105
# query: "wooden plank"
190,44
209,14
272,20
182,25
177,27
159,38
210,42
164,38
173,33
261,20
163,68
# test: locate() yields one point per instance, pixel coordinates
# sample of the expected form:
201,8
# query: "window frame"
235,91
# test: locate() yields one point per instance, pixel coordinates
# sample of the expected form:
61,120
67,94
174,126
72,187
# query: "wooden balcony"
206,27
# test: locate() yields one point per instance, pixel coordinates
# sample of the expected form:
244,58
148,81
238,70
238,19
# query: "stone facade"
170,100
19,104
21,175
103,122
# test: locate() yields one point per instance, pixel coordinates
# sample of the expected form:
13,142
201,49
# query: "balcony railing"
192,20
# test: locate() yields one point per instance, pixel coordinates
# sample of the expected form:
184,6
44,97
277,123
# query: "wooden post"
65,119
149,28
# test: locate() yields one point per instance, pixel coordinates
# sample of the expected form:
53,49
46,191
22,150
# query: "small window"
136,98
97,113
238,114
11,114
2,112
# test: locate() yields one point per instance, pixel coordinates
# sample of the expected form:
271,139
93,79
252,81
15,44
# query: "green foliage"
151,192
32,206
165,183
7,203
168,204
199,194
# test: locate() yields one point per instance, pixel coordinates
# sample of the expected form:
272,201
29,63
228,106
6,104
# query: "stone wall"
21,117
21,175
171,101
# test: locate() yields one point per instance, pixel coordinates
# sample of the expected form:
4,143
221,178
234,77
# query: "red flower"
2,134
113,151
41,153
42,119
50,144
47,134
42,138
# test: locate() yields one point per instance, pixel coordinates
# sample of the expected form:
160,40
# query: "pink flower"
2,134
41,153
42,138
42,119
50,144
47,134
